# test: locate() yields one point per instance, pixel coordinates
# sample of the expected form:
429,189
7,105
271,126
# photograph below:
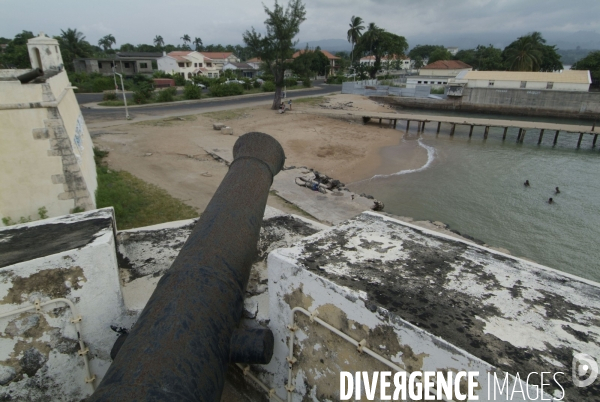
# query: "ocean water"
476,187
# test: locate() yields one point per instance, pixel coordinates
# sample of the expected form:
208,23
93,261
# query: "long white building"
566,80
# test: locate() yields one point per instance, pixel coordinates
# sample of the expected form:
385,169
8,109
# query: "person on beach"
290,104
526,184
557,190
550,200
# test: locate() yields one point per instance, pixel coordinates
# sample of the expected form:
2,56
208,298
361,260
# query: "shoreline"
171,153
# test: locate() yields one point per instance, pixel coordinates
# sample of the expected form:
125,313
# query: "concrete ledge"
427,302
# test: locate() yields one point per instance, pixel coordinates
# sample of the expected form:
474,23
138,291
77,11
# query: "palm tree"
354,33
198,43
186,38
159,41
75,43
371,37
524,54
107,41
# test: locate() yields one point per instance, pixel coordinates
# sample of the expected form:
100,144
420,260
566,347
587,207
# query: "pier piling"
407,125
486,132
579,141
504,135
453,128
438,129
423,126
594,142
555,137
519,135
523,136
541,135
471,131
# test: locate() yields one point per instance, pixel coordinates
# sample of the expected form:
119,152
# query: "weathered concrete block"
218,126
227,130
40,133
58,178
67,195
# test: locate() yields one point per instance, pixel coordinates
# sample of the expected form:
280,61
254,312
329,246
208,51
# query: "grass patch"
169,121
253,91
136,202
112,103
314,101
227,114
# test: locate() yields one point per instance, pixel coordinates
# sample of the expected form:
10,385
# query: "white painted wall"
533,85
44,53
167,64
31,172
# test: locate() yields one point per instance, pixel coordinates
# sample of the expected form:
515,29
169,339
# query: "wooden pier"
523,126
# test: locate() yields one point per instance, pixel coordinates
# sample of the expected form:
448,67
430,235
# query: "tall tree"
159,41
354,33
16,54
186,39
530,53
379,43
276,47
73,45
127,47
590,62
107,41
439,54
423,51
198,43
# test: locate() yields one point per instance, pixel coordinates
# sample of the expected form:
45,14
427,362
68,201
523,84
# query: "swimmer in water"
526,184
557,190
550,200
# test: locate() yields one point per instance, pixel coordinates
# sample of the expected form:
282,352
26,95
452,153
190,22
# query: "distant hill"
331,45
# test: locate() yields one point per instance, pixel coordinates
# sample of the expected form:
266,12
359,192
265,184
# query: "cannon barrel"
180,346
30,75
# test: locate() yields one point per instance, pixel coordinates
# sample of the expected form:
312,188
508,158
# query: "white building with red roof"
219,59
445,68
188,63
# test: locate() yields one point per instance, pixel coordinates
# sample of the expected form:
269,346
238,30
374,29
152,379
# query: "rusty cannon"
188,333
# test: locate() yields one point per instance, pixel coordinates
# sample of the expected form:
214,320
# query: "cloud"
224,21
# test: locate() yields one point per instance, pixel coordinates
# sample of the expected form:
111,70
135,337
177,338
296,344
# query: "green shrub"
290,82
109,96
306,83
166,95
256,84
179,80
336,79
226,90
161,74
143,93
268,86
247,83
192,91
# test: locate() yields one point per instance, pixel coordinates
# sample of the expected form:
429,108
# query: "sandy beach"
170,153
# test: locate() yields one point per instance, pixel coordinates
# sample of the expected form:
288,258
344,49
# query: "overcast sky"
224,21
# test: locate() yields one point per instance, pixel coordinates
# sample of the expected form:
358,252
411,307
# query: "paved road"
97,114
